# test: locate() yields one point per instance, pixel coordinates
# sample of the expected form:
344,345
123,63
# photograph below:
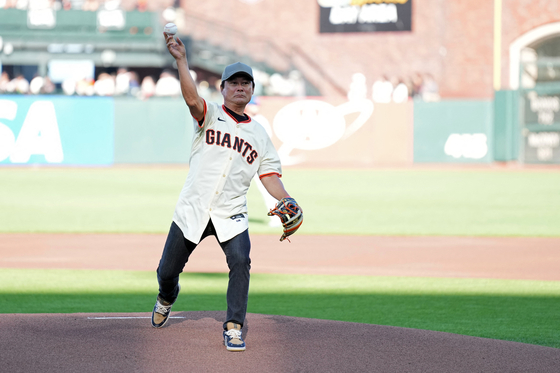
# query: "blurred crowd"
125,82
395,89
121,83
88,5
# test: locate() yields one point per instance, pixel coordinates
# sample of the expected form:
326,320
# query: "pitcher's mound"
191,342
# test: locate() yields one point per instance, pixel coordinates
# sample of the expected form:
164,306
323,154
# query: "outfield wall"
56,130
60,130
453,131
155,131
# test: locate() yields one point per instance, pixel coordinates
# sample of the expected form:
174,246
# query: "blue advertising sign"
56,130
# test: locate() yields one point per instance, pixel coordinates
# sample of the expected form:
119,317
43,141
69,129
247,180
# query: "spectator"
4,82
66,4
262,82
297,83
409,86
69,86
430,89
358,88
20,85
280,86
84,87
417,83
36,85
400,93
142,5
147,88
122,82
382,90
105,85
167,85
134,84
253,110
48,86
204,90
216,93
90,5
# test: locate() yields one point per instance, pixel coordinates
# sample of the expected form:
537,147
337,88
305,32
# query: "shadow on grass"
533,320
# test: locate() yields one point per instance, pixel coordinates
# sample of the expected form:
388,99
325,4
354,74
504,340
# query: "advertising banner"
56,130
364,15
541,122
453,131
542,109
332,132
308,132
542,147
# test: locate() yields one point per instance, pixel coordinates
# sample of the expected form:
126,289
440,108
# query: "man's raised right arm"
188,86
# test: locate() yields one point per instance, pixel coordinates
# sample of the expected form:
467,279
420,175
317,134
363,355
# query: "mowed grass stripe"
451,202
515,310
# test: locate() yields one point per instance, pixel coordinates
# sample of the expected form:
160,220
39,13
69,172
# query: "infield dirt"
465,257
191,342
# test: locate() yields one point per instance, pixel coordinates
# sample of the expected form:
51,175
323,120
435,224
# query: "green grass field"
360,202
363,202
522,311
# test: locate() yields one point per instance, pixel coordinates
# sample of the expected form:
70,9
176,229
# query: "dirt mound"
191,342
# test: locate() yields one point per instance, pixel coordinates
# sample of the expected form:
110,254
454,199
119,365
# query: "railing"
262,50
229,39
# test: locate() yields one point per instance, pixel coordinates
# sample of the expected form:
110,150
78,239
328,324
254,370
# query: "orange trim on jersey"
203,116
269,174
232,117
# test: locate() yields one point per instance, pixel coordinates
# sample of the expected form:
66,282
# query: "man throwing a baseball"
228,149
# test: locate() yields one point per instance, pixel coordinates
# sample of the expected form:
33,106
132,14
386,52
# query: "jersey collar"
236,117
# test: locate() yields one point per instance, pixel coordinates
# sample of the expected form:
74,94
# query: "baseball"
170,29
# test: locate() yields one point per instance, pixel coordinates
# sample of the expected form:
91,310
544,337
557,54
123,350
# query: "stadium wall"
453,131
155,131
453,40
60,130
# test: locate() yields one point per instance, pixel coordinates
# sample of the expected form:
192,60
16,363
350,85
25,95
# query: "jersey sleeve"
210,110
270,161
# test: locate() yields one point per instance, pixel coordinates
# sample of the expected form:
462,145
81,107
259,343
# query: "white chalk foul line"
129,317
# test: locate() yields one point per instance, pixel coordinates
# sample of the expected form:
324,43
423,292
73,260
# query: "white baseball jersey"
225,156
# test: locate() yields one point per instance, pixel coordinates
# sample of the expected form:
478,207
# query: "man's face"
238,90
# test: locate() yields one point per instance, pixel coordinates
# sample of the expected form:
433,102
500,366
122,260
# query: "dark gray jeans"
176,254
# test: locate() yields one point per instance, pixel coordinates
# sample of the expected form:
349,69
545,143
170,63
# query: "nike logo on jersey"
244,148
221,120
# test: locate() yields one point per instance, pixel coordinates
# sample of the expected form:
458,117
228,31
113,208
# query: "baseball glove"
290,215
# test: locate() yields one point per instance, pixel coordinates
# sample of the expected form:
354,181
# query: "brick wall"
451,39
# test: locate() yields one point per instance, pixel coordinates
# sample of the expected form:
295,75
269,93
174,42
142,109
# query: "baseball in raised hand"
176,47
170,29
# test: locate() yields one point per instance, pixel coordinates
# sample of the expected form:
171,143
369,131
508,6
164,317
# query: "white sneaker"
161,311
232,337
